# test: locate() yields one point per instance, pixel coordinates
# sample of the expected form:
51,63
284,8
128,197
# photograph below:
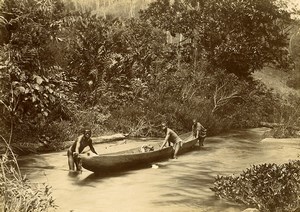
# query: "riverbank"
40,147
281,140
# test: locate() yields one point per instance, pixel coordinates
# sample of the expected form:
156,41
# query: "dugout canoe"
132,158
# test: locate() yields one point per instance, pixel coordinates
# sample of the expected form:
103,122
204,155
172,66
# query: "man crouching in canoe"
80,143
171,137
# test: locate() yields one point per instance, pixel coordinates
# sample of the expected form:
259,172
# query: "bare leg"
77,163
201,141
177,147
70,161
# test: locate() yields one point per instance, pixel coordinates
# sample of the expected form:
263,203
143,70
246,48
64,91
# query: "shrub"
287,115
132,119
51,134
294,82
268,187
284,132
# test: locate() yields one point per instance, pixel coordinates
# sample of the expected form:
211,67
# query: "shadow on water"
40,167
98,177
29,161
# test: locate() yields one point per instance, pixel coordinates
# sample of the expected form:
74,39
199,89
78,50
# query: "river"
174,185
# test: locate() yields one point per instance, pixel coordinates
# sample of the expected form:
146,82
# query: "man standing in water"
198,131
80,143
171,137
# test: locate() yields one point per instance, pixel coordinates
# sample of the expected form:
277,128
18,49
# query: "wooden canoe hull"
131,159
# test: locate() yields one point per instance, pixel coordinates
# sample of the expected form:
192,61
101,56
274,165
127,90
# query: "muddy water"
173,185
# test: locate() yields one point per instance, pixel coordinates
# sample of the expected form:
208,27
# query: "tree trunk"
274,125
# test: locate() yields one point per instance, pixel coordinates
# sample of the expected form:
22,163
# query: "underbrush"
267,187
288,118
294,82
143,119
146,120
50,135
57,132
135,121
285,132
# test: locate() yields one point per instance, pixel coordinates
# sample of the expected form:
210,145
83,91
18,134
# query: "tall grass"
17,193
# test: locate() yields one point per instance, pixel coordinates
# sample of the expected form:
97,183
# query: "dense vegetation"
64,69
268,187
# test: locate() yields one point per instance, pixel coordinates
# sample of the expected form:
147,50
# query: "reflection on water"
176,185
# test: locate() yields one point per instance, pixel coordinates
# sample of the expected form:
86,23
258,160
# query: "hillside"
278,80
120,8
284,82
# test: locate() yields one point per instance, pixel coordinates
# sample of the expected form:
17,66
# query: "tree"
111,58
239,36
32,84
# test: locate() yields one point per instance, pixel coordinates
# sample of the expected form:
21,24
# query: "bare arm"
92,147
166,140
193,130
197,133
77,145
198,128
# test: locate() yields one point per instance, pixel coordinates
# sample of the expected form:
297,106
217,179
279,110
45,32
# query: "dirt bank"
282,140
